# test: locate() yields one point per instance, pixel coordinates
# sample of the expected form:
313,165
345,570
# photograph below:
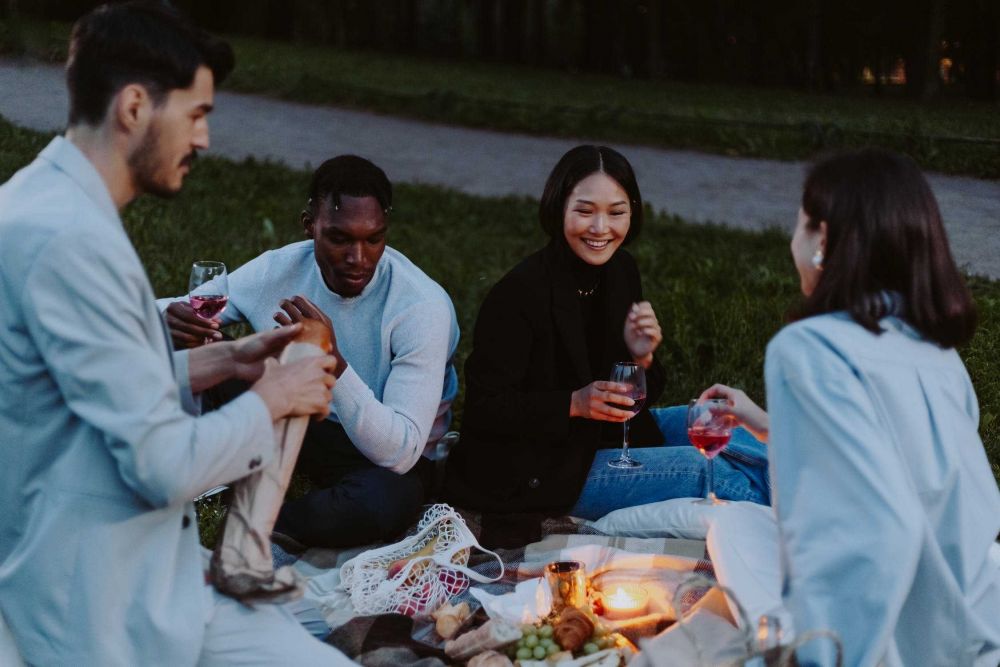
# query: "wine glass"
709,427
633,376
208,290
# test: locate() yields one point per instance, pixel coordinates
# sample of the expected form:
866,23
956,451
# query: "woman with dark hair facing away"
887,509
541,419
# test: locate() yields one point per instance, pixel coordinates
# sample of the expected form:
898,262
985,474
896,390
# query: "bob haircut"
884,233
573,167
142,42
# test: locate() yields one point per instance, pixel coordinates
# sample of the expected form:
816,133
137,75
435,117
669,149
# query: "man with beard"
100,454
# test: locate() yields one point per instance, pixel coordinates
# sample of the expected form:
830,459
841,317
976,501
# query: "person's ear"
132,109
822,236
308,223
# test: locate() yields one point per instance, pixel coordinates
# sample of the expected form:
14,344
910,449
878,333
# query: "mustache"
189,159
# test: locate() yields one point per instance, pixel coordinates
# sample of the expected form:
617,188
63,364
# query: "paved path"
738,192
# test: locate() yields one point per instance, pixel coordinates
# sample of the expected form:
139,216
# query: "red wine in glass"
709,427
632,376
708,441
207,306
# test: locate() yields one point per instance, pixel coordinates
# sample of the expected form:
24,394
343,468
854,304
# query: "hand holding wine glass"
208,290
746,413
632,376
709,426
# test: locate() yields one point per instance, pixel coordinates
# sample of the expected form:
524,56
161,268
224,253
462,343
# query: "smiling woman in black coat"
541,420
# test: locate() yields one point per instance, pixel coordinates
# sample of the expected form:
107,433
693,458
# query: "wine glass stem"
625,442
711,480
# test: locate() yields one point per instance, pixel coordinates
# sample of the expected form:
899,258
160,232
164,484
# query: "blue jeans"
676,470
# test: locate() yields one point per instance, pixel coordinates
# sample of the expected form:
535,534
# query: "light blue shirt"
398,337
99,556
886,505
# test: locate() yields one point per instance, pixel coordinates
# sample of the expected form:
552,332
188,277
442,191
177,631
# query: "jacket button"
254,462
534,483
186,521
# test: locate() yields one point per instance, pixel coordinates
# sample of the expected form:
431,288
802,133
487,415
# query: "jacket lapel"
569,323
618,300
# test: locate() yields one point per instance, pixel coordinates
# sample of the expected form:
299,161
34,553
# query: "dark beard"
147,161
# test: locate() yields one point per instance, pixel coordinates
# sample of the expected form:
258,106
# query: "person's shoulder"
527,274
411,282
288,257
42,210
814,341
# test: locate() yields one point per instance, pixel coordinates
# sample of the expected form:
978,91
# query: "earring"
817,260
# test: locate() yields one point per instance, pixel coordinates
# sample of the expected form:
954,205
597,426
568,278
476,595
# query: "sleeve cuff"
349,388
190,403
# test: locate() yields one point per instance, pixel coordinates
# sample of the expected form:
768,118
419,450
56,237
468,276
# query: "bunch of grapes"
537,642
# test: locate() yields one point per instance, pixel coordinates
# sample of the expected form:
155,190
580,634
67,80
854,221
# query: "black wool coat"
519,450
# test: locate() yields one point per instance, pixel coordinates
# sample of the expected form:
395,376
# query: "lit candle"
625,601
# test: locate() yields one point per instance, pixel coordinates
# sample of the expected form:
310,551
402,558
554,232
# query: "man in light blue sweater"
395,332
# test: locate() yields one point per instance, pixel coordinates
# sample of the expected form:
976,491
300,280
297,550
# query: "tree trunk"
512,28
654,38
814,44
486,29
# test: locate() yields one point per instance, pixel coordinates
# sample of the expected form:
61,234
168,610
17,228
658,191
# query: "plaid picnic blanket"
393,639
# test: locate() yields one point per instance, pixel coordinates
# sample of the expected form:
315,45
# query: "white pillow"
677,517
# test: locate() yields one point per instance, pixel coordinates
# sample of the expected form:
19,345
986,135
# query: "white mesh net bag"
418,574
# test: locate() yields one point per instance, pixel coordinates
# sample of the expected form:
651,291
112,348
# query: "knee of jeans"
672,422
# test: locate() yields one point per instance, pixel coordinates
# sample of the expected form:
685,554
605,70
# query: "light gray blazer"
886,505
99,460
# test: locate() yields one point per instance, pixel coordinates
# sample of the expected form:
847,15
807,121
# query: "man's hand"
250,352
299,308
592,402
642,333
297,388
187,329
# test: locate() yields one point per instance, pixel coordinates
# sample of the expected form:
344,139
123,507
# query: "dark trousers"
355,501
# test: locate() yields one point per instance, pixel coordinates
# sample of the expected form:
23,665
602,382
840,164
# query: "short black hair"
144,42
577,164
351,176
884,233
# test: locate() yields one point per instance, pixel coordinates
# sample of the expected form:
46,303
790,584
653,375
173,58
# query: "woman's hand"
748,413
299,308
642,333
592,402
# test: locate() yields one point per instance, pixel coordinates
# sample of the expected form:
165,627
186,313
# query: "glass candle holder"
568,581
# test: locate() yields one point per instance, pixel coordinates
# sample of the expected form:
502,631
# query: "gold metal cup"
568,582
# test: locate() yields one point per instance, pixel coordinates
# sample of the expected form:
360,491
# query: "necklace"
588,292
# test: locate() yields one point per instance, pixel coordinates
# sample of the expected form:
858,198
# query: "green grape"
540,653
525,653
531,641
607,641
546,630
590,647
546,642
600,630
552,649
520,642
528,629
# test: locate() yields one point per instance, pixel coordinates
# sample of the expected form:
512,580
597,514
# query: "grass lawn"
720,294
734,120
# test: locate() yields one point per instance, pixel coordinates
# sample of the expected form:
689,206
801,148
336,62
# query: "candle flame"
622,599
